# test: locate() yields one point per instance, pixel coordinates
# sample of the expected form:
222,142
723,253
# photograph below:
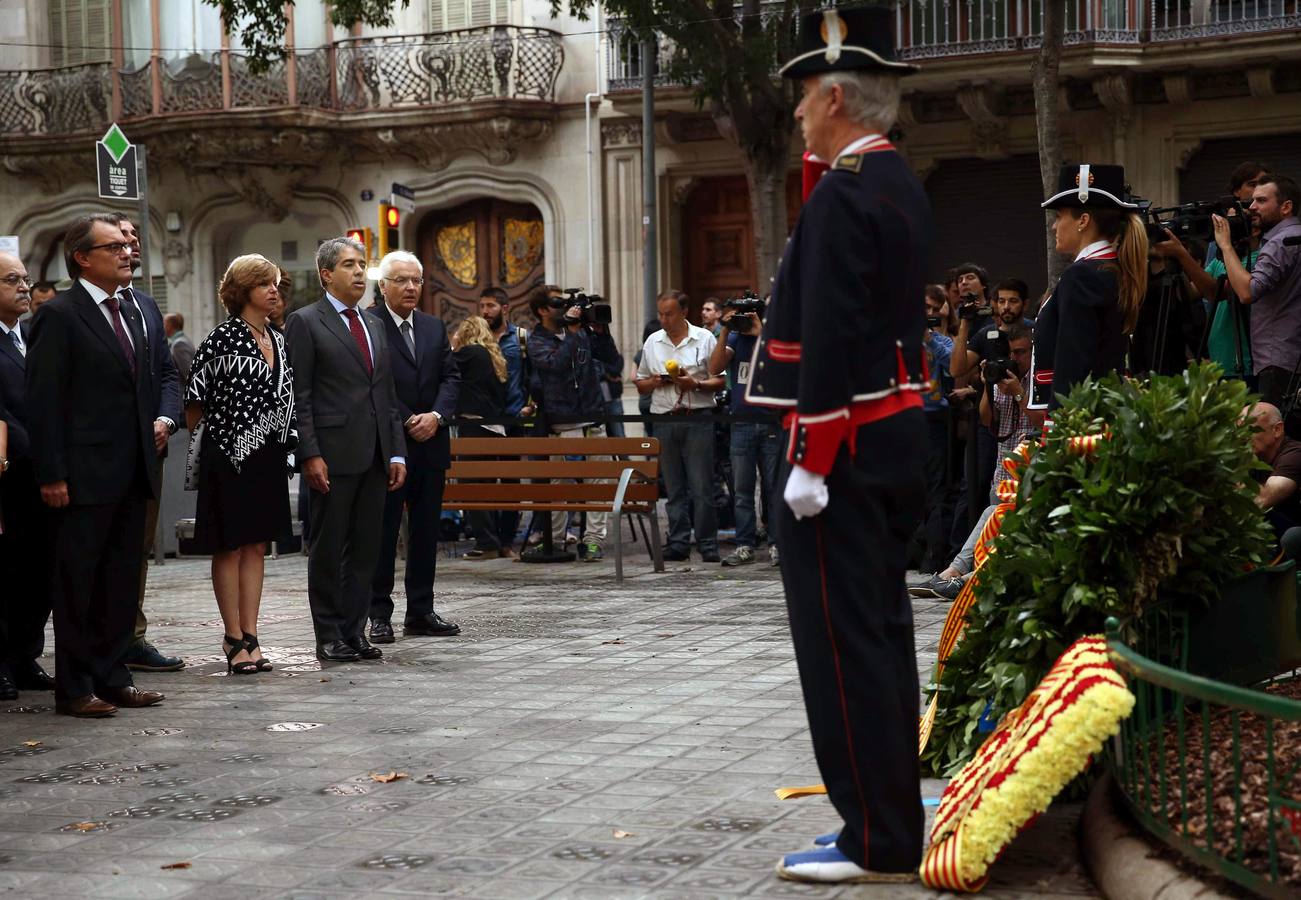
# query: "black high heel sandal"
251,644
247,667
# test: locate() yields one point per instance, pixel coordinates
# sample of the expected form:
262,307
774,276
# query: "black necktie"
113,304
409,336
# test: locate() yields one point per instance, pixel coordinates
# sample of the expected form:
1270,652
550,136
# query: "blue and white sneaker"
827,865
826,840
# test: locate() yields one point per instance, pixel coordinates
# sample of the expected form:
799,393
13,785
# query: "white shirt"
692,354
99,296
1092,250
17,333
399,321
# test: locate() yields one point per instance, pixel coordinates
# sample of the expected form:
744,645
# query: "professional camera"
933,321
999,364
973,306
745,310
1193,220
593,308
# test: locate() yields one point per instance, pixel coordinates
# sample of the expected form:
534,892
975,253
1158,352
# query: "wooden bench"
628,486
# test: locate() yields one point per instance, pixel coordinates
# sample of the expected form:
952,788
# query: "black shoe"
709,556
29,676
8,690
336,651
381,631
432,625
144,657
364,648
676,555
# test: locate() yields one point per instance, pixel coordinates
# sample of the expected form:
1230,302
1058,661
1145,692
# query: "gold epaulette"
851,162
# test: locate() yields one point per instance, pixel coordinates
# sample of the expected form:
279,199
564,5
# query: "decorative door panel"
481,244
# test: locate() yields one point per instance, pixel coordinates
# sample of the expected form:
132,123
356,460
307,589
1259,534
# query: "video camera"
973,306
593,307
749,306
1193,220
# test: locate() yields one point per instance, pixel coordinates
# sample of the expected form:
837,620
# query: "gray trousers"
347,525
687,461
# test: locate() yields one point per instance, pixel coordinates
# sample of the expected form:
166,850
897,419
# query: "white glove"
806,493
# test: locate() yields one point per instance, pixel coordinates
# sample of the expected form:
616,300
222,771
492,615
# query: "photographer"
1003,403
941,432
1273,287
567,376
755,446
971,286
674,371
1171,320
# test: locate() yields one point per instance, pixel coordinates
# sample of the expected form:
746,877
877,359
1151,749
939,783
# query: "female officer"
1083,327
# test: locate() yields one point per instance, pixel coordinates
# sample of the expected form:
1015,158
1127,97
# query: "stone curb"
1124,865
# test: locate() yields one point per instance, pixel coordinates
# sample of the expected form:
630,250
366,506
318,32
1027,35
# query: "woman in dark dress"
483,395
241,397
1083,328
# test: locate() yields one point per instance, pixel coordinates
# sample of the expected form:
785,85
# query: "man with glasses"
88,375
24,550
428,384
143,655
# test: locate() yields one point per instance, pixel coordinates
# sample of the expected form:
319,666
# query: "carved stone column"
1116,92
622,226
981,102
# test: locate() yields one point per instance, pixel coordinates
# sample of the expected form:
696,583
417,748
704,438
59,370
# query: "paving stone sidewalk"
578,739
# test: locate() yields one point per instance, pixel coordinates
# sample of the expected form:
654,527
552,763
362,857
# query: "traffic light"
366,237
390,237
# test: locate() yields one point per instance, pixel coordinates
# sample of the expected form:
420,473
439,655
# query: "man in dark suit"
96,463
167,402
24,548
350,444
427,384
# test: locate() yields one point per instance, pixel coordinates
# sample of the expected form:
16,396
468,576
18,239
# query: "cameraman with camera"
754,445
569,362
1272,287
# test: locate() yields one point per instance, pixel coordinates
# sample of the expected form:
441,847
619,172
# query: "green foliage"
1166,506
263,23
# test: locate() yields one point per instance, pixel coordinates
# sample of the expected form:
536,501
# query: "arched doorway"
480,244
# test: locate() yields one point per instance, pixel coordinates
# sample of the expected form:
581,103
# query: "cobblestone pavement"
577,740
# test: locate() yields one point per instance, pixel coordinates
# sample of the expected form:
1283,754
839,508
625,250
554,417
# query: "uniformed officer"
841,353
1083,328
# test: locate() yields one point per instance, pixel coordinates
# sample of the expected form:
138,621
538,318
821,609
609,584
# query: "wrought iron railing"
1210,768
498,62
1182,20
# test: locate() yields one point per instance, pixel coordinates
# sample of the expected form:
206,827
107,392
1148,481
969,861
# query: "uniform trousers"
347,525
24,565
851,623
94,590
422,497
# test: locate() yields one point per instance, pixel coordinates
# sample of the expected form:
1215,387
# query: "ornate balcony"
500,63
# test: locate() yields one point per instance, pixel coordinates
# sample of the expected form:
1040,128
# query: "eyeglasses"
116,247
15,278
403,282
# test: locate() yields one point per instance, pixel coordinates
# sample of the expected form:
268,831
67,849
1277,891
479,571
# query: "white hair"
871,98
397,256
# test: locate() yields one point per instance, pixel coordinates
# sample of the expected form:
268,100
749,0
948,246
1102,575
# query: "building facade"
521,136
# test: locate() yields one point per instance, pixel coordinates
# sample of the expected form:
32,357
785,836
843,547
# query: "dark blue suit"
167,400
429,381
25,545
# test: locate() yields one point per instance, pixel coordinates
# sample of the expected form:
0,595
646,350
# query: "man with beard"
1008,302
142,655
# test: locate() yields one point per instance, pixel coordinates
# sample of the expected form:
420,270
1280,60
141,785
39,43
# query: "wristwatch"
4,464
438,416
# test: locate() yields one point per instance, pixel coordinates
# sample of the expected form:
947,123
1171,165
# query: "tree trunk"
1045,79
765,173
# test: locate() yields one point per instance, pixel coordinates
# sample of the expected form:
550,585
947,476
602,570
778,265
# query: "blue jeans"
756,447
614,408
687,461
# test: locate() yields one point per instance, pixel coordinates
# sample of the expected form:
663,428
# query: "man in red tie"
350,444
91,392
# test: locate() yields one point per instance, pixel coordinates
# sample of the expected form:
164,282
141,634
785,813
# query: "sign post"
115,166
403,198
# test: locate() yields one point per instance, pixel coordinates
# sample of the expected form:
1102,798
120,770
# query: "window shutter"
80,31
449,15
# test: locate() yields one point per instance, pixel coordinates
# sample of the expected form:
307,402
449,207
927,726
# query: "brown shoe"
132,697
87,707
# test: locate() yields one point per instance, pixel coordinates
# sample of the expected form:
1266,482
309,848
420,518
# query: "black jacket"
432,385
13,393
482,393
95,424
1079,331
167,380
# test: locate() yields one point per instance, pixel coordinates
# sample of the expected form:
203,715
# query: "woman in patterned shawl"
240,406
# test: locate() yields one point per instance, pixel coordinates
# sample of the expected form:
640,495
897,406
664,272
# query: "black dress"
245,405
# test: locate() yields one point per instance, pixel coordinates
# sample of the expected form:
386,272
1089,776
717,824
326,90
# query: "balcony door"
481,244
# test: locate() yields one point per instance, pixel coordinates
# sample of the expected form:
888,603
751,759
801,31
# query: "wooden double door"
480,244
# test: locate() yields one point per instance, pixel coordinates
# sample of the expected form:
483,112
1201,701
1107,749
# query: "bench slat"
542,468
511,493
554,446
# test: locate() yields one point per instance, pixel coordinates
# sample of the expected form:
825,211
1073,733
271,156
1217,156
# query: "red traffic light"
392,216
357,234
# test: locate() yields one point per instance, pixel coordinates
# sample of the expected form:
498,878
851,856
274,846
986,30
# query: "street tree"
1046,81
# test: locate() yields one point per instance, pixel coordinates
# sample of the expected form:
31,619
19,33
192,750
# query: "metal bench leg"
657,552
618,548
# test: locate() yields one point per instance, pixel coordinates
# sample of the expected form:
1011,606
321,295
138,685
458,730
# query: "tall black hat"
846,40
1087,186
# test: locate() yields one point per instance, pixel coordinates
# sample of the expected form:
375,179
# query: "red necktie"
120,330
359,335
